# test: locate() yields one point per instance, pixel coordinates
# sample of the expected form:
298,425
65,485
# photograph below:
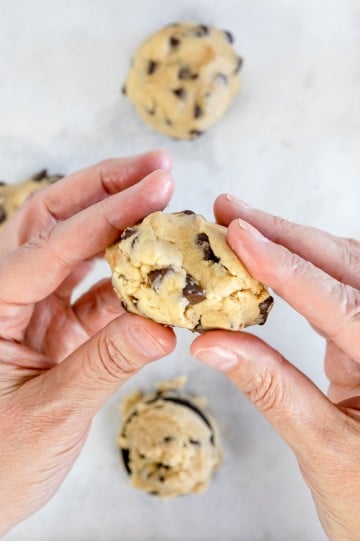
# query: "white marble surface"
289,144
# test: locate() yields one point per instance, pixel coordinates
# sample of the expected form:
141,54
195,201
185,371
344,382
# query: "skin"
51,388
60,361
318,275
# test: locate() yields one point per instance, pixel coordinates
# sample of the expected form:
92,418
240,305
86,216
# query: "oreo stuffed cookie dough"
177,269
169,443
183,78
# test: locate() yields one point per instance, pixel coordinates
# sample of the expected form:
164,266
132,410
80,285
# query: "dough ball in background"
13,195
183,78
177,269
169,443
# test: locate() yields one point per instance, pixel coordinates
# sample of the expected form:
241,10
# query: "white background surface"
289,144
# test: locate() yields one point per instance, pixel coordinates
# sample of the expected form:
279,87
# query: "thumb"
94,371
294,406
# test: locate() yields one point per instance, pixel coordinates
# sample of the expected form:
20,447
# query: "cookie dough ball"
13,195
183,78
178,269
169,443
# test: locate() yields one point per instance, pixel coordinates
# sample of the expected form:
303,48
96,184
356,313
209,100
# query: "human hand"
59,362
318,275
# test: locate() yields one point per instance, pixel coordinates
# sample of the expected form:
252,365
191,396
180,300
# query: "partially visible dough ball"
183,78
169,444
13,195
178,269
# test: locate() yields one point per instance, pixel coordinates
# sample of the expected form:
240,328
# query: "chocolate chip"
221,78
154,493
197,443
40,175
239,63
167,439
198,112
152,66
125,453
134,241
201,30
229,36
54,178
203,241
174,42
162,465
151,112
134,300
187,212
186,74
212,439
2,215
168,122
2,183
195,133
199,328
128,232
161,478
180,93
264,308
192,291
123,90
156,277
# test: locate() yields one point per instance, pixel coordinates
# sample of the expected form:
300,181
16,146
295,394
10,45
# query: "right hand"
318,275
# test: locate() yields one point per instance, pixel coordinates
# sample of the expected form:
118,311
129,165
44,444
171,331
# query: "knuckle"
282,227
265,390
290,266
113,359
349,255
350,302
110,176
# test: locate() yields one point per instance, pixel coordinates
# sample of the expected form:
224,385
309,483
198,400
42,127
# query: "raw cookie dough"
178,269
13,195
169,444
183,78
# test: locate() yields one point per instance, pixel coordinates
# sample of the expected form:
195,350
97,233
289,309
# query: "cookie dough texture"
13,195
169,443
183,78
178,269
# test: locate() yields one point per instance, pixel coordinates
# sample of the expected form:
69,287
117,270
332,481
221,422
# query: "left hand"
60,361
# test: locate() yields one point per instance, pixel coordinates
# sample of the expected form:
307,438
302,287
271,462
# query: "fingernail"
217,357
237,202
245,226
140,339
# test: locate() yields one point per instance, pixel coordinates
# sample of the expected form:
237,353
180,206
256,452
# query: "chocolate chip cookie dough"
169,444
13,195
178,269
183,78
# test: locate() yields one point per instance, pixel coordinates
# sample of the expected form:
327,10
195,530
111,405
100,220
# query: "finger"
97,307
352,406
64,291
79,191
342,372
326,303
337,256
92,373
294,406
88,315
68,243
